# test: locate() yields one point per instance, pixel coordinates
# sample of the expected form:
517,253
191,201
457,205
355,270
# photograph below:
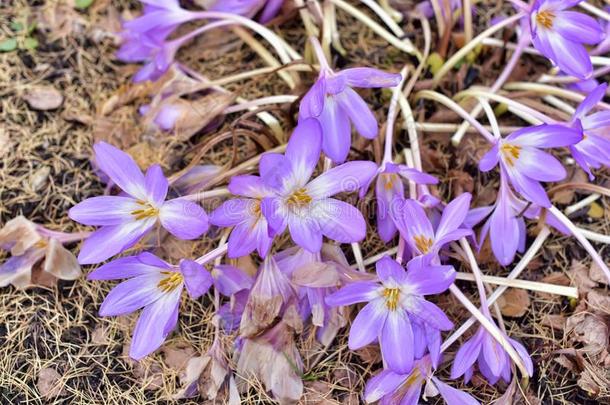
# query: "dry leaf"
49,383
177,356
594,381
599,301
43,98
38,179
591,330
580,276
189,378
60,262
18,235
514,303
557,322
597,274
369,354
316,274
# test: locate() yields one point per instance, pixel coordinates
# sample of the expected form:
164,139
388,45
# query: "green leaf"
8,45
83,4
16,26
30,43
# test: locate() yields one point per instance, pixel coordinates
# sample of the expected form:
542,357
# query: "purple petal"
233,212
312,103
228,280
594,97
453,215
545,136
336,130
453,396
197,280
267,163
490,159
104,210
396,342
271,9
569,56
111,240
428,279
530,189
369,78
525,356
121,169
251,186
183,219
347,177
504,233
358,112
367,325
430,313
340,221
416,176
388,189
433,338
389,271
382,384
303,148
466,356
305,232
493,354
577,27
132,294
154,324
271,207
243,240
412,221
476,215
126,267
452,236
353,293
596,120
539,165
156,185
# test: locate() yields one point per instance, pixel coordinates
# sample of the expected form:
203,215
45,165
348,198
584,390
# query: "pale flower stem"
582,203
410,126
317,48
385,17
410,162
358,256
581,238
505,100
392,113
594,10
280,99
476,272
525,260
467,14
459,55
569,79
202,195
594,236
491,117
396,15
565,291
404,45
560,104
452,105
438,16
213,254
451,128
327,28
553,90
493,330
310,27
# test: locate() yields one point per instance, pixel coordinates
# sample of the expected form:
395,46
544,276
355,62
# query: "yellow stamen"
388,180
510,153
42,244
545,18
299,198
171,282
423,244
391,296
147,211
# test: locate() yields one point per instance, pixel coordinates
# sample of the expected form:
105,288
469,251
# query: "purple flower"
525,164
305,206
159,19
151,49
394,305
594,150
493,361
250,227
155,286
126,218
249,8
559,35
389,188
333,102
415,227
390,388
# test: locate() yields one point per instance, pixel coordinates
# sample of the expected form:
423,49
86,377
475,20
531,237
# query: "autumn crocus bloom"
155,286
333,102
559,35
390,388
250,228
525,164
305,206
417,230
126,218
393,304
250,8
493,361
389,188
594,150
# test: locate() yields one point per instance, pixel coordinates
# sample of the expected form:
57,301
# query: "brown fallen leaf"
49,383
557,322
579,273
591,330
177,356
594,380
38,180
514,303
597,274
599,302
43,98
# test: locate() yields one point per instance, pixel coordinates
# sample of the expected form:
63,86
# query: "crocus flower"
493,361
417,230
155,286
390,388
250,228
525,164
559,35
305,206
393,305
334,103
159,18
594,150
126,218
389,188
250,8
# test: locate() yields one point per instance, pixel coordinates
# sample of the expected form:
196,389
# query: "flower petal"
132,294
466,356
429,313
454,215
358,112
600,119
353,293
267,163
452,395
248,185
569,56
412,221
504,233
111,240
545,136
126,267
104,210
336,130
183,219
490,159
591,101
197,279
397,342
305,232
303,150
156,185
347,177
121,169
525,356
428,279
578,27
312,103
233,212
228,280
340,221
274,212
539,165
369,78
242,240
389,271
382,384
530,189
367,325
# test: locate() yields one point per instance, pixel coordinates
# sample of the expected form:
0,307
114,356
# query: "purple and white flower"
266,9
394,305
126,218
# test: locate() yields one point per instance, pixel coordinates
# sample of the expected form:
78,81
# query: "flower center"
299,198
545,18
172,280
147,211
388,181
423,244
510,153
391,295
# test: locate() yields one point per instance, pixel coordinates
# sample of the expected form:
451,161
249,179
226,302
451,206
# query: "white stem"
385,17
451,128
392,113
582,203
358,256
560,104
594,236
202,195
491,117
213,254
467,14
410,162
547,89
594,10
281,99
410,126
524,284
